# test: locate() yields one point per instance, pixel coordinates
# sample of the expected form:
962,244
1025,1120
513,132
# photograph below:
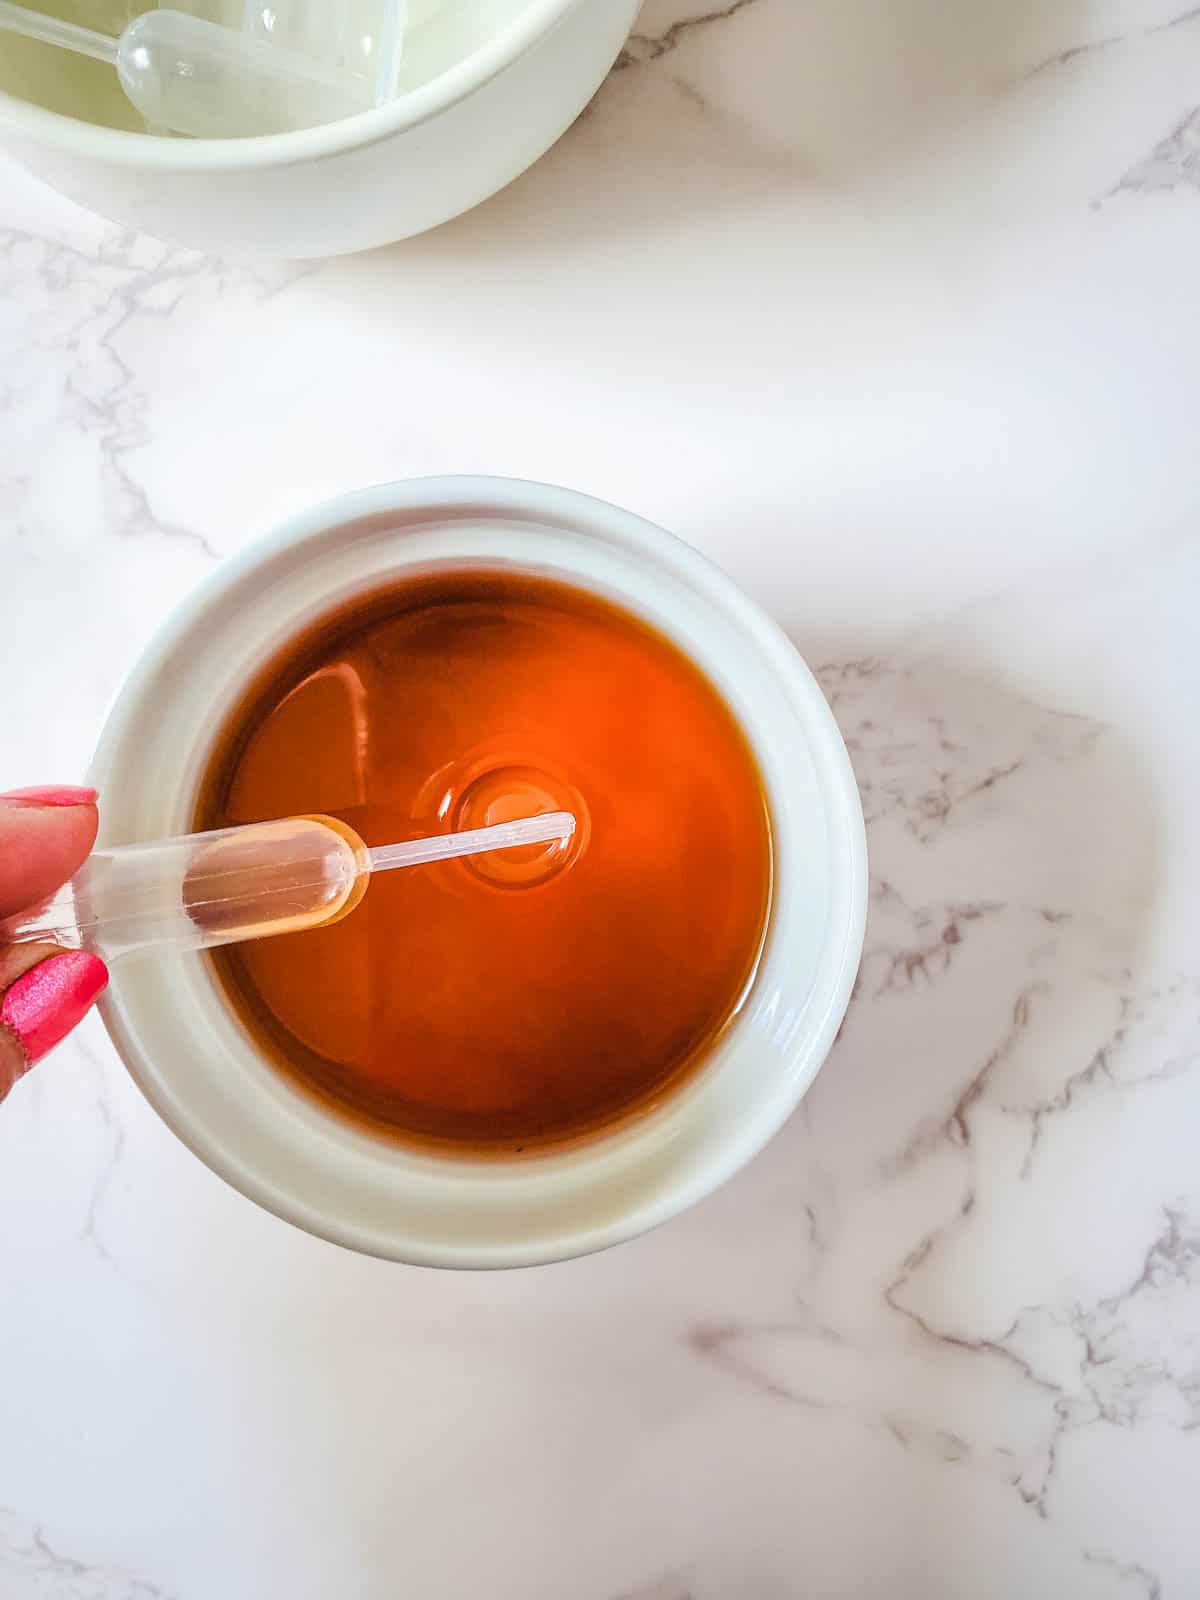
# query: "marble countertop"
893,310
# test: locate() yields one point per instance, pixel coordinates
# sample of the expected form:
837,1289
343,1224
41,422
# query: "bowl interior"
439,39
203,1073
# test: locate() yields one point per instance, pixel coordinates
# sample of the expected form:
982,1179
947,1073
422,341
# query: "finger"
45,836
44,992
16,960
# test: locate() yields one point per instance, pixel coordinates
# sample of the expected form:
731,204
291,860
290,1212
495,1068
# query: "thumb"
45,835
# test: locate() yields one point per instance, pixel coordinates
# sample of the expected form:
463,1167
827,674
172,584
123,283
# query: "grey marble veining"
893,314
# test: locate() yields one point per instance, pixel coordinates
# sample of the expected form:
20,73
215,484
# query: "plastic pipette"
359,38
207,889
192,76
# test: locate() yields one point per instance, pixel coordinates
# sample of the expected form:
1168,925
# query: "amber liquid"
526,997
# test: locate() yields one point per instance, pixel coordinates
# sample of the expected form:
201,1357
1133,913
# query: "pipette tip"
544,829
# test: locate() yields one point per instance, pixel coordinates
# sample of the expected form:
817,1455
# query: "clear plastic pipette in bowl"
207,889
192,76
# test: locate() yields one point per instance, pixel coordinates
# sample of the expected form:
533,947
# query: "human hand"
46,835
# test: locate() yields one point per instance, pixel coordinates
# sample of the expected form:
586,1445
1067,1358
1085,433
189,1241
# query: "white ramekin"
203,1074
349,185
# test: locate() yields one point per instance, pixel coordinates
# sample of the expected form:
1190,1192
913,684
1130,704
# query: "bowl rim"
483,495
125,148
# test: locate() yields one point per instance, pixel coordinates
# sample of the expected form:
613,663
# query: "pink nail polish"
46,1002
50,795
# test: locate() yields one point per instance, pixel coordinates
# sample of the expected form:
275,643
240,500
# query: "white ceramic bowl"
203,1074
491,85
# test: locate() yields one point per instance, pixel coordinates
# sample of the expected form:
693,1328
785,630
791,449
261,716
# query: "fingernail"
46,1002
52,795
